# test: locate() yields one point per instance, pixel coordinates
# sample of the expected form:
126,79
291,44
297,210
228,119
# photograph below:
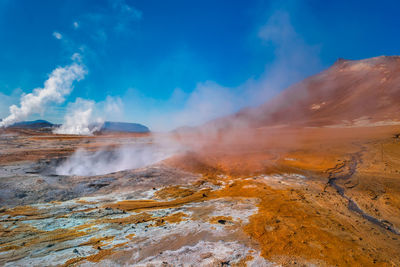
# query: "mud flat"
328,195
282,197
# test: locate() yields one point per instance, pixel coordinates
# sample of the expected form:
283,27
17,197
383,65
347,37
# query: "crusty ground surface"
277,195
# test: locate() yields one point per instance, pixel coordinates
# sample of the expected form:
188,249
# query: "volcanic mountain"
349,93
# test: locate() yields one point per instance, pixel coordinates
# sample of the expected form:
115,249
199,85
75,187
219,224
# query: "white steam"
293,60
80,119
84,117
84,163
58,85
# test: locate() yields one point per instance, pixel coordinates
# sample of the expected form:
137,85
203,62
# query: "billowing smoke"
105,161
293,60
58,85
79,119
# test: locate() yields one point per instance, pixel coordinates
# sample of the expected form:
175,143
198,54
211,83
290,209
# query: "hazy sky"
170,63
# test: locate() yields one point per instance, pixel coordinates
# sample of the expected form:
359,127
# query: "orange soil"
303,224
310,223
173,192
137,205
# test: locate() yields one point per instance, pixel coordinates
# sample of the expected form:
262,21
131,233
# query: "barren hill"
349,93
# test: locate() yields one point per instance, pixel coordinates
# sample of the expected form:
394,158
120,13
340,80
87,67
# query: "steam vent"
199,133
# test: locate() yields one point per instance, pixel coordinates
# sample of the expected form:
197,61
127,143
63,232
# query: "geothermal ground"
326,196
311,177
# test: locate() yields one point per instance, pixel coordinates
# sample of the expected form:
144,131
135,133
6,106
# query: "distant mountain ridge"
37,124
127,127
108,126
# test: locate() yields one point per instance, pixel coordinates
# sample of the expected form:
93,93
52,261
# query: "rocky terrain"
314,182
145,216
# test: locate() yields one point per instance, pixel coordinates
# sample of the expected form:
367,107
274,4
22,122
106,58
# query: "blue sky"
172,63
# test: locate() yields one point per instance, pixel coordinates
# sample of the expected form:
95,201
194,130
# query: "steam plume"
293,60
56,87
105,161
79,119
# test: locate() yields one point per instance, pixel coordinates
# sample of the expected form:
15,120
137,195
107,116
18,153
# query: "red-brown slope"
349,92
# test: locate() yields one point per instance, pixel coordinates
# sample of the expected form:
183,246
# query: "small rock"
21,195
206,255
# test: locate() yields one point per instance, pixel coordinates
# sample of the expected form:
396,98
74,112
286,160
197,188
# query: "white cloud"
56,87
76,57
57,35
76,25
